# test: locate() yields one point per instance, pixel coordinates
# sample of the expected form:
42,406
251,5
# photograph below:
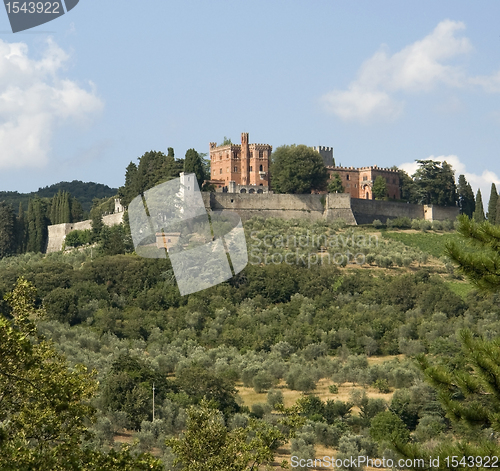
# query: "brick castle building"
247,165
358,182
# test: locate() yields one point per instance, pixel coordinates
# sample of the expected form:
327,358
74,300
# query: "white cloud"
481,181
34,100
419,67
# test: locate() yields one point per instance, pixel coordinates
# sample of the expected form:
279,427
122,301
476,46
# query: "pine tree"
480,261
492,205
466,199
478,214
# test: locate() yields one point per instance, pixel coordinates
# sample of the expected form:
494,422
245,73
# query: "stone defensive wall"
328,207
58,232
366,211
309,207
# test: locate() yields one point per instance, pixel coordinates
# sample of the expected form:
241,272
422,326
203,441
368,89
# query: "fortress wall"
112,219
440,213
366,211
58,232
309,207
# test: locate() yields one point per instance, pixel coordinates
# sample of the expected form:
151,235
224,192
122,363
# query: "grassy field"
431,242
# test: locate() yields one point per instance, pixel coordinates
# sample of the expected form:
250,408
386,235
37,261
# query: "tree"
466,200
297,169
335,185
435,183
97,222
226,142
193,163
478,214
492,205
207,445
37,223
406,186
380,188
129,191
497,217
7,230
45,406
479,259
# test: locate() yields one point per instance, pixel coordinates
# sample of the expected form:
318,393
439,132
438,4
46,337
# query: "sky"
382,82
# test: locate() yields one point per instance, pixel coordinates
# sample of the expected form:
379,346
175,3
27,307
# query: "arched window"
260,168
243,190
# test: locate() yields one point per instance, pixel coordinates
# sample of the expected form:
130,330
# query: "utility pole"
153,402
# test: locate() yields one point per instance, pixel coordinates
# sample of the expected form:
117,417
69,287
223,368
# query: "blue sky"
383,82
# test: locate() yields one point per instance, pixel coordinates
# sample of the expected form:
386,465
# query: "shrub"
275,397
377,223
437,226
382,385
333,389
425,225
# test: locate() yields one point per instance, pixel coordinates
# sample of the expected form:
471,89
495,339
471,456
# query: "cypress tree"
21,230
497,217
65,210
37,223
194,164
7,230
478,215
465,197
492,204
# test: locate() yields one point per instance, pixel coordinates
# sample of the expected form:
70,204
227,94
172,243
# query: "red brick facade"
245,164
358,182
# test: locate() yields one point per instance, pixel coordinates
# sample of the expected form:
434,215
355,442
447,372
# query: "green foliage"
207,445
297,169
388,427
8,242
492,205
335,184
466,200
435,183
478,254
45,405
380,188
433,244
78,238
36,225
478,214
193,163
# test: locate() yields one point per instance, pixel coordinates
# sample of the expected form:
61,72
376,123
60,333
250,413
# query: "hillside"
333,329
85,192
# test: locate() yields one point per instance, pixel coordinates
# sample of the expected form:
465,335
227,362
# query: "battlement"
323,148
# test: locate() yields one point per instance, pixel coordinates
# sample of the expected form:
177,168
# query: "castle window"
261,154
347,177
260,168
235,169
220,157
365,178
251,169
220,171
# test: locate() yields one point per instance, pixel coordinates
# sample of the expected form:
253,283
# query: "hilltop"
84,192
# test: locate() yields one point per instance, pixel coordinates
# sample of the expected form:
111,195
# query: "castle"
358,182
240,167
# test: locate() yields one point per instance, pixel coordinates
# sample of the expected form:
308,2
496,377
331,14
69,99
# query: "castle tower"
245,159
